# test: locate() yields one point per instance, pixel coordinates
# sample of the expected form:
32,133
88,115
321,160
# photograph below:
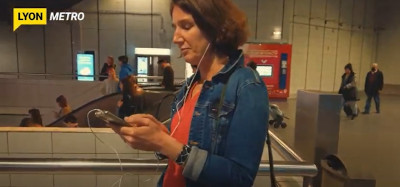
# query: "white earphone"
187,90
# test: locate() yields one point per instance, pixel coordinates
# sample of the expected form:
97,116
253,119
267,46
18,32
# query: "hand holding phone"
111,118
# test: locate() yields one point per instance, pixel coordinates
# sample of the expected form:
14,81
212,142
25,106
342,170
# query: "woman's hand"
119,104
148,134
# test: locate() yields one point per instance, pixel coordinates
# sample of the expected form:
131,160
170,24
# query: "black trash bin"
335,174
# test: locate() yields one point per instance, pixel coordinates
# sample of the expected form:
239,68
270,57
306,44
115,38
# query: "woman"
36,117
219,119
110,85
63,104
132,97
349,91
106,67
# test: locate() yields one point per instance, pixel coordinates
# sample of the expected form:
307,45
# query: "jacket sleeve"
381,81
366,83
244,143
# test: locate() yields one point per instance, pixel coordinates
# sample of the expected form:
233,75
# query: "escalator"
157,103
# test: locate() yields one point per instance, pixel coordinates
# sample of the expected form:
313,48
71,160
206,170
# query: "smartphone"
111,118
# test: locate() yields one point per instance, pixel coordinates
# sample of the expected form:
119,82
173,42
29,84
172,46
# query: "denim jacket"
227,154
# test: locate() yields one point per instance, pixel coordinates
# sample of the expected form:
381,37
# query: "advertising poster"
85,69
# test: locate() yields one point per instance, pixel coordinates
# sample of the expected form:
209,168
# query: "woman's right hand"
148,134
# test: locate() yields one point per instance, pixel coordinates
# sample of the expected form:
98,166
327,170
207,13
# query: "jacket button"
196,113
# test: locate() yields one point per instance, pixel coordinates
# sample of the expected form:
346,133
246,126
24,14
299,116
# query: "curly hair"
221,21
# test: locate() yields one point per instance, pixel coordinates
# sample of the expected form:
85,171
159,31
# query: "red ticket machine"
273,65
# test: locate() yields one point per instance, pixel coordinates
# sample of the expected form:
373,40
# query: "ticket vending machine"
146,62
273,65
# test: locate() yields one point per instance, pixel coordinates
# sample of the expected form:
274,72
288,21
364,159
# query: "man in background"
373,85
168,75
126,69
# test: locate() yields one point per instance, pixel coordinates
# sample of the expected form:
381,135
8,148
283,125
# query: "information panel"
85,67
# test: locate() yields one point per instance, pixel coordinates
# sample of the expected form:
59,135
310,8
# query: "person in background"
373,85
168,75
252,65
27,122
63,104
132,97
70,121
219,119
106,68
126,69
348,90
110,85
36,117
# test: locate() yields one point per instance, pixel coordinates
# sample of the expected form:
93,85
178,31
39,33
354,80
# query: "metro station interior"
301,50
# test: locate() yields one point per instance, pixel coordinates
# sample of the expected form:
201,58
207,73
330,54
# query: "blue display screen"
85,63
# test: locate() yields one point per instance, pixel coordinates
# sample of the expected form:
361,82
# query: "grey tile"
114,156
115,142
148,180
3,142
66,155
109,180
32,180
4,180
29,142
74,180
17,155
145,152
147,155
73,143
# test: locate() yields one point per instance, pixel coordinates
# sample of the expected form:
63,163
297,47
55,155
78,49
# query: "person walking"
349,91
373,85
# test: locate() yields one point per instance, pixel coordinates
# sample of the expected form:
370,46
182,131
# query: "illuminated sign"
85,67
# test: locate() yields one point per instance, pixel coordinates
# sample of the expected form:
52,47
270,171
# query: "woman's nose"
177,38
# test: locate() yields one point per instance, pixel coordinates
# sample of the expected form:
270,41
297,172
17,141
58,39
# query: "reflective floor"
369,143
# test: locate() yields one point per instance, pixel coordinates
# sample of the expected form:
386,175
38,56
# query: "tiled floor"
368,144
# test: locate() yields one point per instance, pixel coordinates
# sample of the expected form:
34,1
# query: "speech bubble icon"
29,16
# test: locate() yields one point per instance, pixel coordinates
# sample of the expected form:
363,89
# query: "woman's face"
347,71
110,61
187,36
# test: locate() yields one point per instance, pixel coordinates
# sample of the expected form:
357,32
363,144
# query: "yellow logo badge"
29,16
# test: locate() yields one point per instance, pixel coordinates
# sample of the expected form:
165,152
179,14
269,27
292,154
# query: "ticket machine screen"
264,71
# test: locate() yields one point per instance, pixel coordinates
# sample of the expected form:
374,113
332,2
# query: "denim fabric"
368,102
232,148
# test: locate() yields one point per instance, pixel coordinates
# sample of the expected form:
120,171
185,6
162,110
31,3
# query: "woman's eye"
187,26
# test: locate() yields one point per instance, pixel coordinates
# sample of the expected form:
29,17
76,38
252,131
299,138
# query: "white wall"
388,19
326,34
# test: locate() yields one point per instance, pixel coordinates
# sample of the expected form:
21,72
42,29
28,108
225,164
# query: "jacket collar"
236,59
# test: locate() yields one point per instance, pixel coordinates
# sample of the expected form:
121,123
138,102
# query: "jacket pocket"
219,124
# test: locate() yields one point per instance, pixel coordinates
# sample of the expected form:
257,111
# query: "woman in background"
132,97
36,118
106,67
349,91
63,104
110,85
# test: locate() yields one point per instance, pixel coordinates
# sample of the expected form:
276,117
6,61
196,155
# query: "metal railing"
293,166
134,166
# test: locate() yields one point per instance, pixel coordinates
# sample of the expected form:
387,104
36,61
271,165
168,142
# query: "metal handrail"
134,166
283,149
65,75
